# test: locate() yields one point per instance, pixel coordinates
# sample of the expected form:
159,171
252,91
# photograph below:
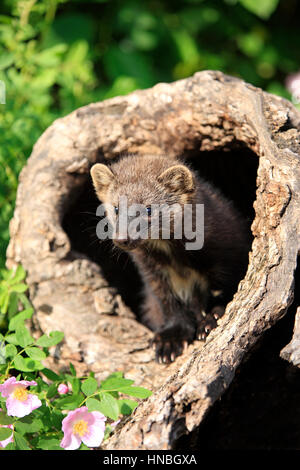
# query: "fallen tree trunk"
233,132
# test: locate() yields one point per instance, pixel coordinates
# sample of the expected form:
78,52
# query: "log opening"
233,171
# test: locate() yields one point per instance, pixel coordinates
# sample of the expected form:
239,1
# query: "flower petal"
70,441
99,417
33,402
7,387
15,407
94,436
26,383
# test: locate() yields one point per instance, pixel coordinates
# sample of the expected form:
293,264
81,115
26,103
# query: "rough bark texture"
291,352
207,112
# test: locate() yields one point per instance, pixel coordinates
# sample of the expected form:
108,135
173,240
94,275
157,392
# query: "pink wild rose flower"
19,402
85,426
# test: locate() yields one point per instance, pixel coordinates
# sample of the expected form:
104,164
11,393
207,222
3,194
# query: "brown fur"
184,290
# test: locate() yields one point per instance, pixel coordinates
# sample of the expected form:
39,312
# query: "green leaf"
27,364
18,275
24,300
107,405
69,403
126,406
49,443
13,304
21,442
54,338
4,301
5,433
23,336
52,391
12,339
261,8
10,350
19,288
138,392
8,274
77,52
4,419
5,19
18,319
186,45
84,447
115,375
115,383
89,386
35,353
50,57
28,424
50,374
72,369
75,383
56,418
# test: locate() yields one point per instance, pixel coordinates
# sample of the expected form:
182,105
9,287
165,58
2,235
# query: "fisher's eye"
116,210
148,210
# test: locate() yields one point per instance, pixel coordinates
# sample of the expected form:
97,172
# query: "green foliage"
57,55
263,8
23,355
12,289
44,78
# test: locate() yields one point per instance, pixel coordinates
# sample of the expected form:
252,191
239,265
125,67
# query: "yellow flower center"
80,427
20,394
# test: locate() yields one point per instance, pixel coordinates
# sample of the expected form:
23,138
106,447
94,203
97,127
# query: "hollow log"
247,142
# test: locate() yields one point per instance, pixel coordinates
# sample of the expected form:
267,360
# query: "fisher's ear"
177,179
102,178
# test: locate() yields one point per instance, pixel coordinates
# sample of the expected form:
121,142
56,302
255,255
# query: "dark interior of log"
234,172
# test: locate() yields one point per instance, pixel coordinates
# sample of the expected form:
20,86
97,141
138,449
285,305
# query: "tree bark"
207,112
